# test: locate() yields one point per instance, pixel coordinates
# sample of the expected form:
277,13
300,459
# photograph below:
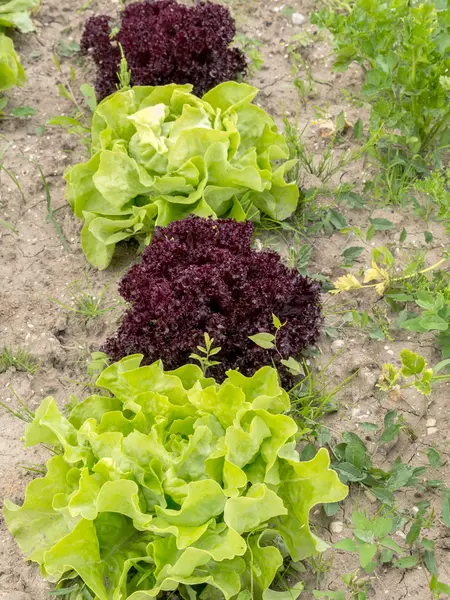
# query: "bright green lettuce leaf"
37,514
172,481
318,484
16,13
11,71
160,154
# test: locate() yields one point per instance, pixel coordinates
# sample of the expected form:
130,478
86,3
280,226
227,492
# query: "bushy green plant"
403,49
160,154
172,482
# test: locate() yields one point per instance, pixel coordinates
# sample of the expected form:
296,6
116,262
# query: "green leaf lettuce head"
170,481
161,153
16,13
11,71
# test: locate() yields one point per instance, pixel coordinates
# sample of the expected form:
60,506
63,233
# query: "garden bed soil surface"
36,269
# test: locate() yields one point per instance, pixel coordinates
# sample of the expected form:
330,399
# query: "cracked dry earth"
36,268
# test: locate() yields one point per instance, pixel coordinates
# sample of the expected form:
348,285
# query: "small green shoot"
207,350
267,340
428,288
22,112
51,211
12,176
413,373
124,75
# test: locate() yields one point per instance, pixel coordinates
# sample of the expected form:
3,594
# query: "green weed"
12,176
20,359
312,397
331,161
426,289
79,123
51,211
251,48
22,412
373,541
413,373
87,303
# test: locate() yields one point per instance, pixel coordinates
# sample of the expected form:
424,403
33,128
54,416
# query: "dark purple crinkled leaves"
200,275
165,42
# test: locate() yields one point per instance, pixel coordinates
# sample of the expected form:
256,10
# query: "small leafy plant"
355,464
206,351
413,373
195,485
202,275
165,42
251,48
160,154
79,123
373,542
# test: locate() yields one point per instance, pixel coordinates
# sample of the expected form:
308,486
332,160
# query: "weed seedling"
50,211
207,351
330,161
413,373
251,48
79,123
85,301
20,359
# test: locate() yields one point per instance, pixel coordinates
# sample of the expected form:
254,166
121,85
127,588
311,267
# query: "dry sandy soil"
36,268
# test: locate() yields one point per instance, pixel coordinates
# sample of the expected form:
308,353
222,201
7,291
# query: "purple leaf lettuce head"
165,42
202,275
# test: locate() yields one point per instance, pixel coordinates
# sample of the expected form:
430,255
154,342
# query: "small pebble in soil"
431,422
337,345
337,527
298,18
432,430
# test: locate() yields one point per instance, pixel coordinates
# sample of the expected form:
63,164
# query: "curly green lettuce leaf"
303,485
158,487
160,154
